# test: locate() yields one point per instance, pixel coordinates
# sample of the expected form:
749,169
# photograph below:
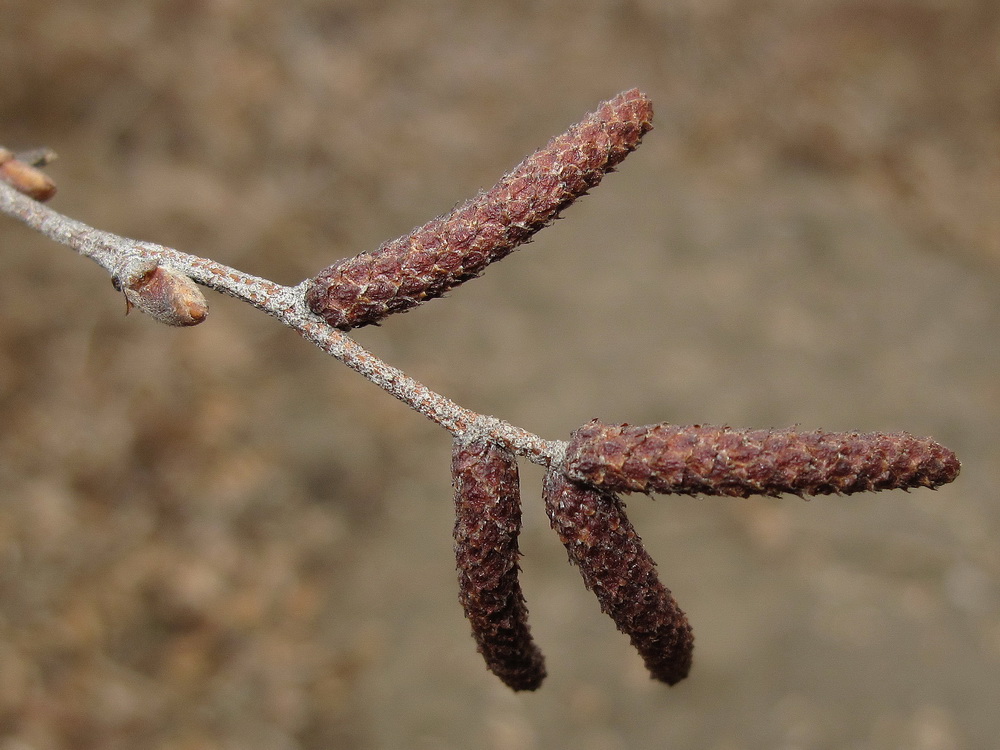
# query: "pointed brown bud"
724,461
601,541
457,247
167,295
25,178
487,524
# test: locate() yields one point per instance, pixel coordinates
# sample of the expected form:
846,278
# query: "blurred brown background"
220,538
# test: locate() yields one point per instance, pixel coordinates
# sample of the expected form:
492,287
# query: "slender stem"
286,303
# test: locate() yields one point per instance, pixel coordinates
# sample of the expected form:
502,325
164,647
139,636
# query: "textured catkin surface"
452,249
487,523
725,461
609,554
217,538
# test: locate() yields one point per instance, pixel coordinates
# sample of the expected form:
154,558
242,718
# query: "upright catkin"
454,248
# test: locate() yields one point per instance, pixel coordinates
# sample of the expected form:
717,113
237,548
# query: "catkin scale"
452,249
601,542
664,458
487,524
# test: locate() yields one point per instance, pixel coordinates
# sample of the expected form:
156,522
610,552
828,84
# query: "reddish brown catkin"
615,566
454,248
723,461
487,523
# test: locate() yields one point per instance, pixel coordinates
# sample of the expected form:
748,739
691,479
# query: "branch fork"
586,474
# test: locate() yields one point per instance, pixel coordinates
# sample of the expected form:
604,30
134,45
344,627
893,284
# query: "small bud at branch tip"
25,178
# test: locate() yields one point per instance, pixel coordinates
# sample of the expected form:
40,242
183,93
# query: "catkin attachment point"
163,293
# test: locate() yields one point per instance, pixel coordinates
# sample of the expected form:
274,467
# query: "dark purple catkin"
724,461
454,248
603,545
487,523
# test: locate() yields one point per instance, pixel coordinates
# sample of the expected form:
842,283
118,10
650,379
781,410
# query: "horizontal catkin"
708,460
454,248
487,524
602,543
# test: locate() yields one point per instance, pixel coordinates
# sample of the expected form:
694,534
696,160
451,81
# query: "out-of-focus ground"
220,538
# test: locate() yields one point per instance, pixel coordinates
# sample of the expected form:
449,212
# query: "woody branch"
361,290
585,473
118,255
